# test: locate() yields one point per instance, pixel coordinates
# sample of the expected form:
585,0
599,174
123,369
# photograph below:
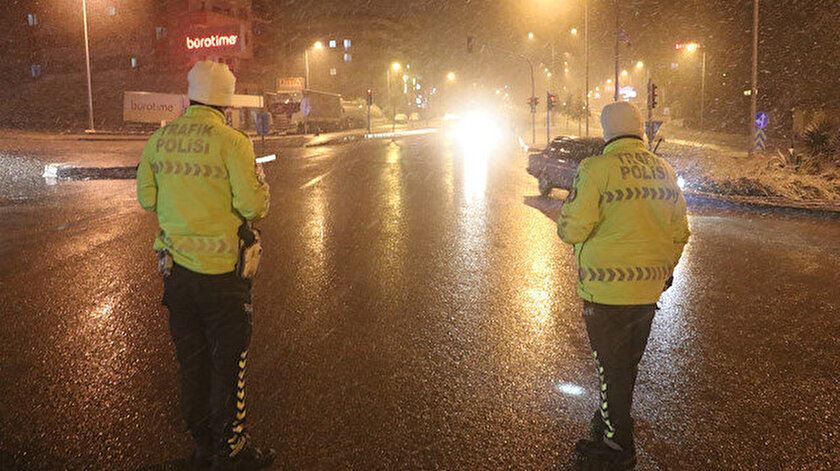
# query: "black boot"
598,456
201,460
596,427
249,459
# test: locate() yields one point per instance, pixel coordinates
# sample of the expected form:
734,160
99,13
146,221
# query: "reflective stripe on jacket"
200,176
626,217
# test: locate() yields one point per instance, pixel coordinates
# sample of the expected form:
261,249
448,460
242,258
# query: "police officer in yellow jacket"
201,179
626,217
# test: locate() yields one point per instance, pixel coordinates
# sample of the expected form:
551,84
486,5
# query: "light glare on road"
570,389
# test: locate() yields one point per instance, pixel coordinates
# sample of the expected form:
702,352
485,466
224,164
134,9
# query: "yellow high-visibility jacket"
626,217
200,176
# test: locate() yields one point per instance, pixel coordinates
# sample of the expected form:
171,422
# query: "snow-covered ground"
717,168
718,164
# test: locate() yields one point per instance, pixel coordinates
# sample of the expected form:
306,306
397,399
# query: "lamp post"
617,47
690,48
754,85
703,91
586,59
532,100
395,67
317,46
87,61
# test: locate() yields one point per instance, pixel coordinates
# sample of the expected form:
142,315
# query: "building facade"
139,45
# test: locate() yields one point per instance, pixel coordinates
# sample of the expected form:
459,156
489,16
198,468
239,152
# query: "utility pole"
533,105
306,67
369,104
703,90
393,104
586,59
617,45
754,87
553,66
548,108
87,60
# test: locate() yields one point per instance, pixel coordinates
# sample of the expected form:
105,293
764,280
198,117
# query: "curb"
113,139
815,208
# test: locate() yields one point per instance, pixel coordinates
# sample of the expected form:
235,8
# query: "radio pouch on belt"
250,251
165,262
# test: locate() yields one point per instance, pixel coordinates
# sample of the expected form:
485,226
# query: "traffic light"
550,101
370,97
533,102
652,95
470,44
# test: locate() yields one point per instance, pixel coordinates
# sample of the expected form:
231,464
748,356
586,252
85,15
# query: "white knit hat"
211,83
621,119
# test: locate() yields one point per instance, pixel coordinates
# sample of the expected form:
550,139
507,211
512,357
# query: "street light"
87,61
574,31
640,65
624,73
531,36
396,67
451,76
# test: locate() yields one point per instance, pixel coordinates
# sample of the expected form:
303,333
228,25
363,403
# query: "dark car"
556,165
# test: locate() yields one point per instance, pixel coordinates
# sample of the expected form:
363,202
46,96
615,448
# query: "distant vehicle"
414,117
355,113
306,110
556,165
401,118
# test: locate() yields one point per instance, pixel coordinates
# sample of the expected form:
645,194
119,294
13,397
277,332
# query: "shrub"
820,139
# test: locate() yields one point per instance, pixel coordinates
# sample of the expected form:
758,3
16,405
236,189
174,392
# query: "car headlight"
478,130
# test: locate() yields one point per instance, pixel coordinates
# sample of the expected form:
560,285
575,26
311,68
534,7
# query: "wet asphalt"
412,313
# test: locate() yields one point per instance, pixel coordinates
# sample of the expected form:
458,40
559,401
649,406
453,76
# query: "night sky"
799,48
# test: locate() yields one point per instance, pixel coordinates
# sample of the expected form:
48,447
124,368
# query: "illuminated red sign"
212,41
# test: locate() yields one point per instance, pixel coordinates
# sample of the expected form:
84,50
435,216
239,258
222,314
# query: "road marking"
386,135
314,181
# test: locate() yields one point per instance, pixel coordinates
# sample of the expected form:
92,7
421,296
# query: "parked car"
556,165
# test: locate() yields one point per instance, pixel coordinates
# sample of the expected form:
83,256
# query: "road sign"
761,120
760,140
651,129
263,123
305,106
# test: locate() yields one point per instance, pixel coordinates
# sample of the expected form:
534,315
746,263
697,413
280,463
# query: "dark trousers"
210,323
618,336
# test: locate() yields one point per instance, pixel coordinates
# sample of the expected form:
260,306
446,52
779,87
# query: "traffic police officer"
626,217
201,179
